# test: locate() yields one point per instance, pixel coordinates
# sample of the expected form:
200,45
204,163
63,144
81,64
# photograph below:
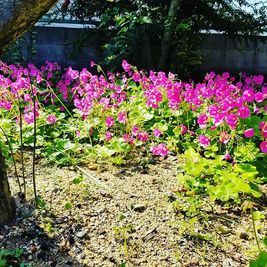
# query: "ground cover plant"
217,128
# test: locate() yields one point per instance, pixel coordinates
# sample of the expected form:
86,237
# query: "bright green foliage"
261,260
9,258
218,178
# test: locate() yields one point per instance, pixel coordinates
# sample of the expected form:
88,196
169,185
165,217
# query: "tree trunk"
7,207
16,16
165,43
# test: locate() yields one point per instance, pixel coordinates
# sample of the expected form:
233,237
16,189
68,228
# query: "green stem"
22,151
34,148
255,230
13,158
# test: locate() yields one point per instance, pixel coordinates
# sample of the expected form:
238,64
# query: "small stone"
149,234
244,236
43,245
41,255
139,207
82,256
71,240
101,210
81,234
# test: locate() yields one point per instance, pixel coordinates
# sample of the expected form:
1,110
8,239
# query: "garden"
72,138
114,164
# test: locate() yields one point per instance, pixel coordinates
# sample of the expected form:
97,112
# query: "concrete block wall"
222,53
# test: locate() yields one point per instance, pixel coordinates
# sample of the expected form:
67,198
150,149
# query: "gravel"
121,215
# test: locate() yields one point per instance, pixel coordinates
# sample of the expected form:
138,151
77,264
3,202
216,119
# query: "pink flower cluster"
160,150
212,110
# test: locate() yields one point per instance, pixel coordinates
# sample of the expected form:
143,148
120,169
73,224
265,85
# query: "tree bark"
7,207
16,16
165,43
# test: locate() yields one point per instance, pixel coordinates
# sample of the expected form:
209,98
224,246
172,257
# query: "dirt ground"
124,216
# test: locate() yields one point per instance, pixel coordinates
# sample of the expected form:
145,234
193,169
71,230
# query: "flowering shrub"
134,109
112,114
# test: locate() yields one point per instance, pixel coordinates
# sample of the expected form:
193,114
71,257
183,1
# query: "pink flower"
262,125
218,119
192,133
249,133
51,119
202,120
27,98
109,121
157,133
204,141
259,97
126,66
224,137
256,110
136,77
108,136
92,63
264,132
258,79
28,117
135,130
226,75
232,120
227,156
160,150
72,74
244,112
183,129
127,138
263,146
122,117
248,95
143,136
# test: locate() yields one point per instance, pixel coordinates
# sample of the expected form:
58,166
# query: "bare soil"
124,216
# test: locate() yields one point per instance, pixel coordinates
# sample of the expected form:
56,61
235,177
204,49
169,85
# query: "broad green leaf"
257,215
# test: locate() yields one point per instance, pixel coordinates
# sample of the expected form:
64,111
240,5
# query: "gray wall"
64,46
220,53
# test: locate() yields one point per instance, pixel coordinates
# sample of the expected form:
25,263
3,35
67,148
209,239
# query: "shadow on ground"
32,233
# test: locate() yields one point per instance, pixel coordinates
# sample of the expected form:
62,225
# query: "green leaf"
257,215
18,252
255,191
146,20
148,116
261,261
68,206
77,180
265,241
3,263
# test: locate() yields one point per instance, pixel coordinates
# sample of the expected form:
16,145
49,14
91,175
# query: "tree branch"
16,16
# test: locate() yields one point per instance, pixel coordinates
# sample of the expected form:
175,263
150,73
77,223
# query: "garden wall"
72,46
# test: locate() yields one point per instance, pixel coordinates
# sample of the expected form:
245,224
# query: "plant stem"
13,158
22,151
255,230
34,149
